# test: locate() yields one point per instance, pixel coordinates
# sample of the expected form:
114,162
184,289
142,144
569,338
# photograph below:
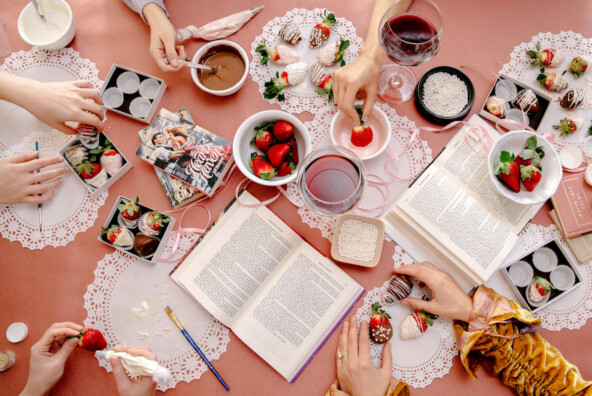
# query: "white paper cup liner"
139,107
539,303
149,88
570,157
127,223
521,273
128,82
151,254
506,90
518,116
544,259
588,175
562,277
112,97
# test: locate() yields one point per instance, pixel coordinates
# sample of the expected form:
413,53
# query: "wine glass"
409,39
331,180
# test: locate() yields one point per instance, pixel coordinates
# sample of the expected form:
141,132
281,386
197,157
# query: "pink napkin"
220,28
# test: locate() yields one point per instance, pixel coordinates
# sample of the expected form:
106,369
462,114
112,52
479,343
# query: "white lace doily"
126,303
572,310
303,96
415,159
417,362
572,45
71,210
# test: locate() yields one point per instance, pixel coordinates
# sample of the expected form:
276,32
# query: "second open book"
453,215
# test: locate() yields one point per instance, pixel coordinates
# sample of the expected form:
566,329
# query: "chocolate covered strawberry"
539,289
110,159
278,154
92,173
380,326
286,168
91,340
567,126
290,33
321,31
262,168
119,236
281,54
322,78
530,176
151,223
415,324
292,75
129,211
263,137
508,171
531,155
548,57
332,54
578,66
282,131
362,134
552,81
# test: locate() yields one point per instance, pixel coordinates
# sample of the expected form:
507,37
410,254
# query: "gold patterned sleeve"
396,388
501,336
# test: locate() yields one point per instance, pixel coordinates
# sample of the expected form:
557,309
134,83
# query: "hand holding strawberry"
362,134
91,340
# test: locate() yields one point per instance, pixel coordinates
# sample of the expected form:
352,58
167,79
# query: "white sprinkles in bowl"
445,94
357,240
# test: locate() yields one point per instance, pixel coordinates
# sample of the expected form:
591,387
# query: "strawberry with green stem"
552,81
89,169
567,126
157,220
283,130
539,289
129,209
321,31
263,137
333,54
286,168
278,153
531,155
508,171
416,324
578,66
261,167
362,134
91,340
117,235
380,326
530,176
322,78
281,54
547,57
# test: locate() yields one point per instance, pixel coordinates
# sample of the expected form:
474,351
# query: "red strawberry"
508,171
416,324
282,130
110,151
542,285
547,57
531,176
112,232
278,154
261,168
552,81
156,220
531,155
321,32
286,168
567,126
380,327
295,158
88,170
91,340
130,210
578,66
361,135
263,138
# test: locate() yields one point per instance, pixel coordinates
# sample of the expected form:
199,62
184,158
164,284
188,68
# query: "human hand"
176,154
20,182
448,299
162,40
48,357
356,374
142,386
360,75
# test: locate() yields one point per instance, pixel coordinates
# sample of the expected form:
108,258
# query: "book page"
455,221
235,258
470,171
297,310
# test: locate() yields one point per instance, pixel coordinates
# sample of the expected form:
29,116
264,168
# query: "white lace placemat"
303,96
126,303
572,310
417,362
71,210
572,45
415,159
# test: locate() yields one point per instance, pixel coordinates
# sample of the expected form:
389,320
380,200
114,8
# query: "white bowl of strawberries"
269,145
524,167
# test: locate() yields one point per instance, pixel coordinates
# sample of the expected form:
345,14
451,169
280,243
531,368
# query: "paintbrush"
37,171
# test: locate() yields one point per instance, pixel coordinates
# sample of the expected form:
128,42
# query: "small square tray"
126,166
535,120
124,108
364,219
556,294
112,220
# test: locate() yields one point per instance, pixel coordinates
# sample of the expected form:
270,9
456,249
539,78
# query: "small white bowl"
514,142
235,87
242,148
340,132
29,17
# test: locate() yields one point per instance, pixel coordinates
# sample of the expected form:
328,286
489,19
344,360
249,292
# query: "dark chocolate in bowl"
228,64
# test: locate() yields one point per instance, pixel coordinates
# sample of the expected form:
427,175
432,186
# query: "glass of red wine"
409,38
331,180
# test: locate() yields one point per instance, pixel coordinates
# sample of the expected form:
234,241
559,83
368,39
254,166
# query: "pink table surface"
42,287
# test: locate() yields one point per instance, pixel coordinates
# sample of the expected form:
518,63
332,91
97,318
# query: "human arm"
48,358
54,103
363,73
20,181
356,375
142,386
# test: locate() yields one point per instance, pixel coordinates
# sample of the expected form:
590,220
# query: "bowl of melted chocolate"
230,64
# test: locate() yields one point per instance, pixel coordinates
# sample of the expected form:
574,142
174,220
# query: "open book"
277,293
453,215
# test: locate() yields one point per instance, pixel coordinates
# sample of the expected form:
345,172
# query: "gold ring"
341,355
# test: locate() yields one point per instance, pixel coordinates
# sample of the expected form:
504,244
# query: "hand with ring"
355,371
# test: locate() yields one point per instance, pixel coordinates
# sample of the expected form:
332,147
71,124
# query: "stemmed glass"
410,39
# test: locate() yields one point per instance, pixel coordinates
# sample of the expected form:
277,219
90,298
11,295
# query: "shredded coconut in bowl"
445,94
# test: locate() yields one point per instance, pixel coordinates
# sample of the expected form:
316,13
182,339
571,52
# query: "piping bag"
139,366
219,28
